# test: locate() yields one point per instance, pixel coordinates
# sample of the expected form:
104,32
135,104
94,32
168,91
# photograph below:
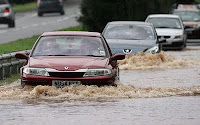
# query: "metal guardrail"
9,65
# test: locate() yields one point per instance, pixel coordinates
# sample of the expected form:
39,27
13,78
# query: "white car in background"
171,28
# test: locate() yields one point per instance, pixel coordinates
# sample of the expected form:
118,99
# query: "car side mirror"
162,40
21,56
118,57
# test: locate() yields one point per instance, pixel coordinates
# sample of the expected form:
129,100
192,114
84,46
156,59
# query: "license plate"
63,83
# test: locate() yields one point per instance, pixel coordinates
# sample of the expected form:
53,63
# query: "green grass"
25,7
75,28
18,45
197,1
27,43
10,79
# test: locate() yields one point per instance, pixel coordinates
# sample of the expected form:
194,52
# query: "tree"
97,13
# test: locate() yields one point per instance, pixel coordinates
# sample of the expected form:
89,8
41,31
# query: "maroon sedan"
67,58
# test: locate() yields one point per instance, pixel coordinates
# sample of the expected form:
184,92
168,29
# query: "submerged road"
150,93
29,24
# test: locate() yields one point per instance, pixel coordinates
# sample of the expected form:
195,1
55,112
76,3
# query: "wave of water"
152,61
140,61
92,92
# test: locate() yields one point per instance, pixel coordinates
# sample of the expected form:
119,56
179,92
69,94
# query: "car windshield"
188,15
129,32
69,46
162,22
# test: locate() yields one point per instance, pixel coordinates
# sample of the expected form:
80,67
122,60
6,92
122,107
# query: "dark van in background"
50,6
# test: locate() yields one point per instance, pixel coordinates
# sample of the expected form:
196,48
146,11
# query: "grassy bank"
9,80
25,7
27,43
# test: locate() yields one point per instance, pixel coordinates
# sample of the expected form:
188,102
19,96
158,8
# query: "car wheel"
22,84
185,45
117,75
117,78
160,48
11,24
182,47
62,13
40,14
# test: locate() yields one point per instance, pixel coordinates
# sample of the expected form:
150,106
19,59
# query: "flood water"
153,89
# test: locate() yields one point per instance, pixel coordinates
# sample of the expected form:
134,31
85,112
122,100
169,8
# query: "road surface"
29,24
150,93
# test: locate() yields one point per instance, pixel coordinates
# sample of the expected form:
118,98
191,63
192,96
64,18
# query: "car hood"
73,63
118,46
168,32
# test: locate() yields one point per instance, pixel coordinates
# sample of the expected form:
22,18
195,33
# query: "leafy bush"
97,13
21,1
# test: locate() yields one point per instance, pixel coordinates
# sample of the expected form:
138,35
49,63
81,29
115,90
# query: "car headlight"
178,37
97,72
153,50
36,71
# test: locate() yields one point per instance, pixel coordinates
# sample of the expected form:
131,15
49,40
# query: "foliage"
21,1
97,13
198,1
10,79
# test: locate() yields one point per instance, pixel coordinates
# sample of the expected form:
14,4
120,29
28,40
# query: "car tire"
62,13
185,45
40,14
11,24
117,78
160,48
182,47
22,84
117,75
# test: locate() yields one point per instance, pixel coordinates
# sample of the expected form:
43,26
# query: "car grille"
67,74
166,37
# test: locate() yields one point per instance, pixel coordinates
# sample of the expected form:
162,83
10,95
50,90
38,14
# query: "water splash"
93,92
152,61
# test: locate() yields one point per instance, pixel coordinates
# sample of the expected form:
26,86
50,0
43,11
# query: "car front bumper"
44,80
174,43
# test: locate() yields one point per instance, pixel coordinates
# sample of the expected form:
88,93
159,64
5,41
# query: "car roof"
130,22
72,33
163,15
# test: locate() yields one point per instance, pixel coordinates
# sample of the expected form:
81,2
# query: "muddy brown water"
153,89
